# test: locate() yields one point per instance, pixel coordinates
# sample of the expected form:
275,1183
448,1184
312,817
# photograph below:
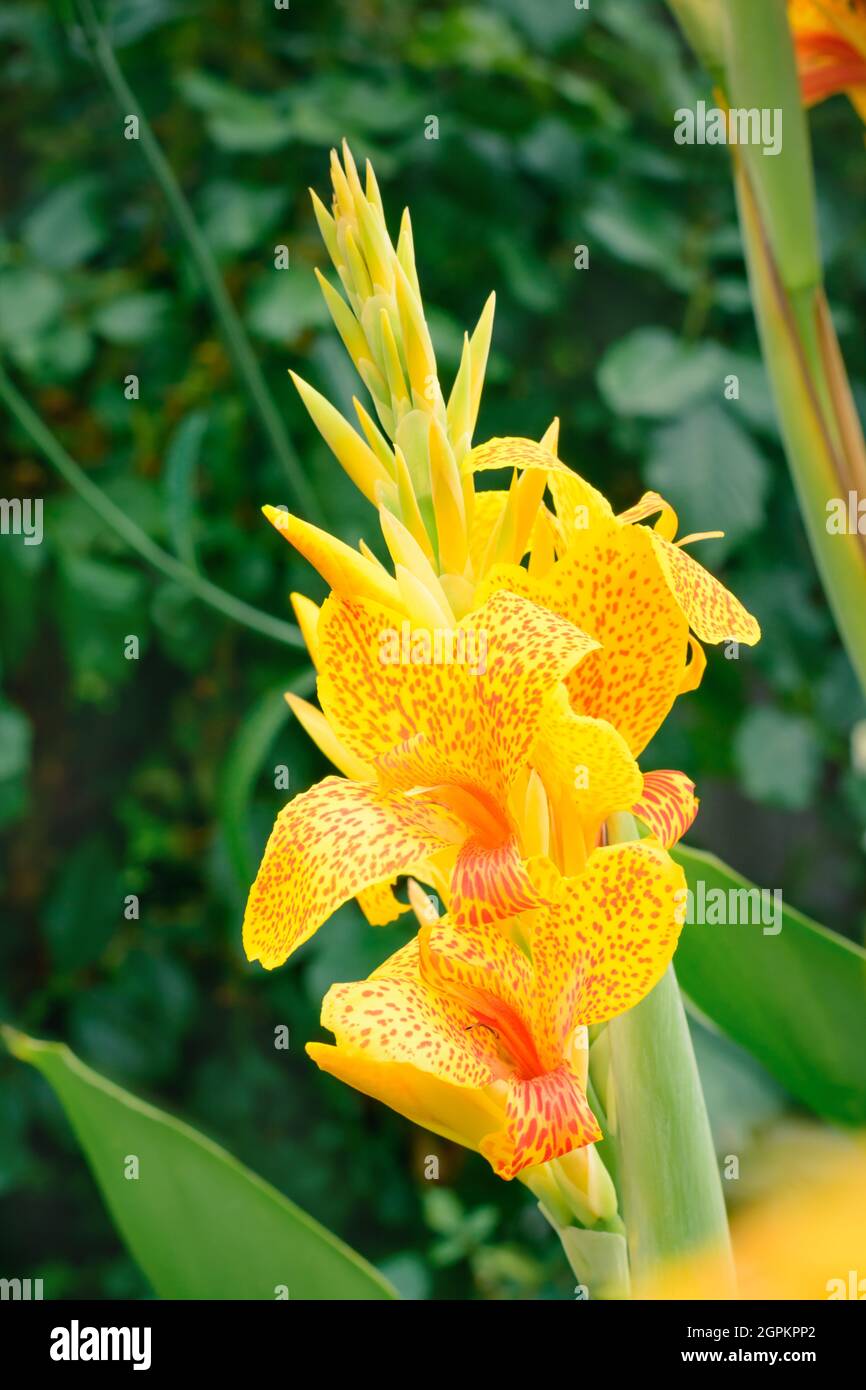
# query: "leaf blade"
795,999
199,1223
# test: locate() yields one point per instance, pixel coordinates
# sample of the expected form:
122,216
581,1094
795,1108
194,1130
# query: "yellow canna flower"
470,1036
830,42
449,744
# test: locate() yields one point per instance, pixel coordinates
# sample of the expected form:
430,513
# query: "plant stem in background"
749,51
670,1190
236,338
137,539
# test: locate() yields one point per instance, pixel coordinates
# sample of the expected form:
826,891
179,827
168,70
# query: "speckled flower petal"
479,713
668,805
588,761
380,905
713,613
608,940
490,883
548,1116
395,1016
328,845
611,586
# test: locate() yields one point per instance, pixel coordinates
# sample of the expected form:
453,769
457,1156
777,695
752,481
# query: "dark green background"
156,777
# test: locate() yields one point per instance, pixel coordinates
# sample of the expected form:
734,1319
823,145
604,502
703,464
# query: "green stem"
137,539
235,335
749,50
671,1191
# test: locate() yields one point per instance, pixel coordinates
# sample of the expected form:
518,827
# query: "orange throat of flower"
828,64
508,1043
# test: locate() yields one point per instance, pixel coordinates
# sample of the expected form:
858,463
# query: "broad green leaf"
199,1224
794,998
30,300
133,318
67,226
654,373
778,758
284,303
710,470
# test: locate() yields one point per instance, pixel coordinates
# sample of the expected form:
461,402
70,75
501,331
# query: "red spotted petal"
668,805
547,1117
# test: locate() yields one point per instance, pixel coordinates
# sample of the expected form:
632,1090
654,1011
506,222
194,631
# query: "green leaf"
778,758
68,226
796,999
178,482
133,318
85,905
654,373
30,300
241,768
284,303
199,1224
709,469
236,216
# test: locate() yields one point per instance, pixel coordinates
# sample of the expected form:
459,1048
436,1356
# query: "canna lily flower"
439,758
830,43
642,596
472,1037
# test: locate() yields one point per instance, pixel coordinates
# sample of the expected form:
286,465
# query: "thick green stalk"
821,468
135,538
671,1192
749,50
236,338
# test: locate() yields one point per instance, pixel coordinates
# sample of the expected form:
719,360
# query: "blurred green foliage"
154,778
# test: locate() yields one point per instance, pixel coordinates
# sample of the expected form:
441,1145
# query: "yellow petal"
379,904
586,761
456,1113
326,846
320,731
343,569
477,691
355,455
307,615
609,938
652,504
668,805
713,613
610,585
395,1016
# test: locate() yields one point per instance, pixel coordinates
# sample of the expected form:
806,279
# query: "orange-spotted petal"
586,760
475,964
547,1116
490,883
380,905
609,938
395,1016
610,585
668,805
479,705
328,845
713,613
